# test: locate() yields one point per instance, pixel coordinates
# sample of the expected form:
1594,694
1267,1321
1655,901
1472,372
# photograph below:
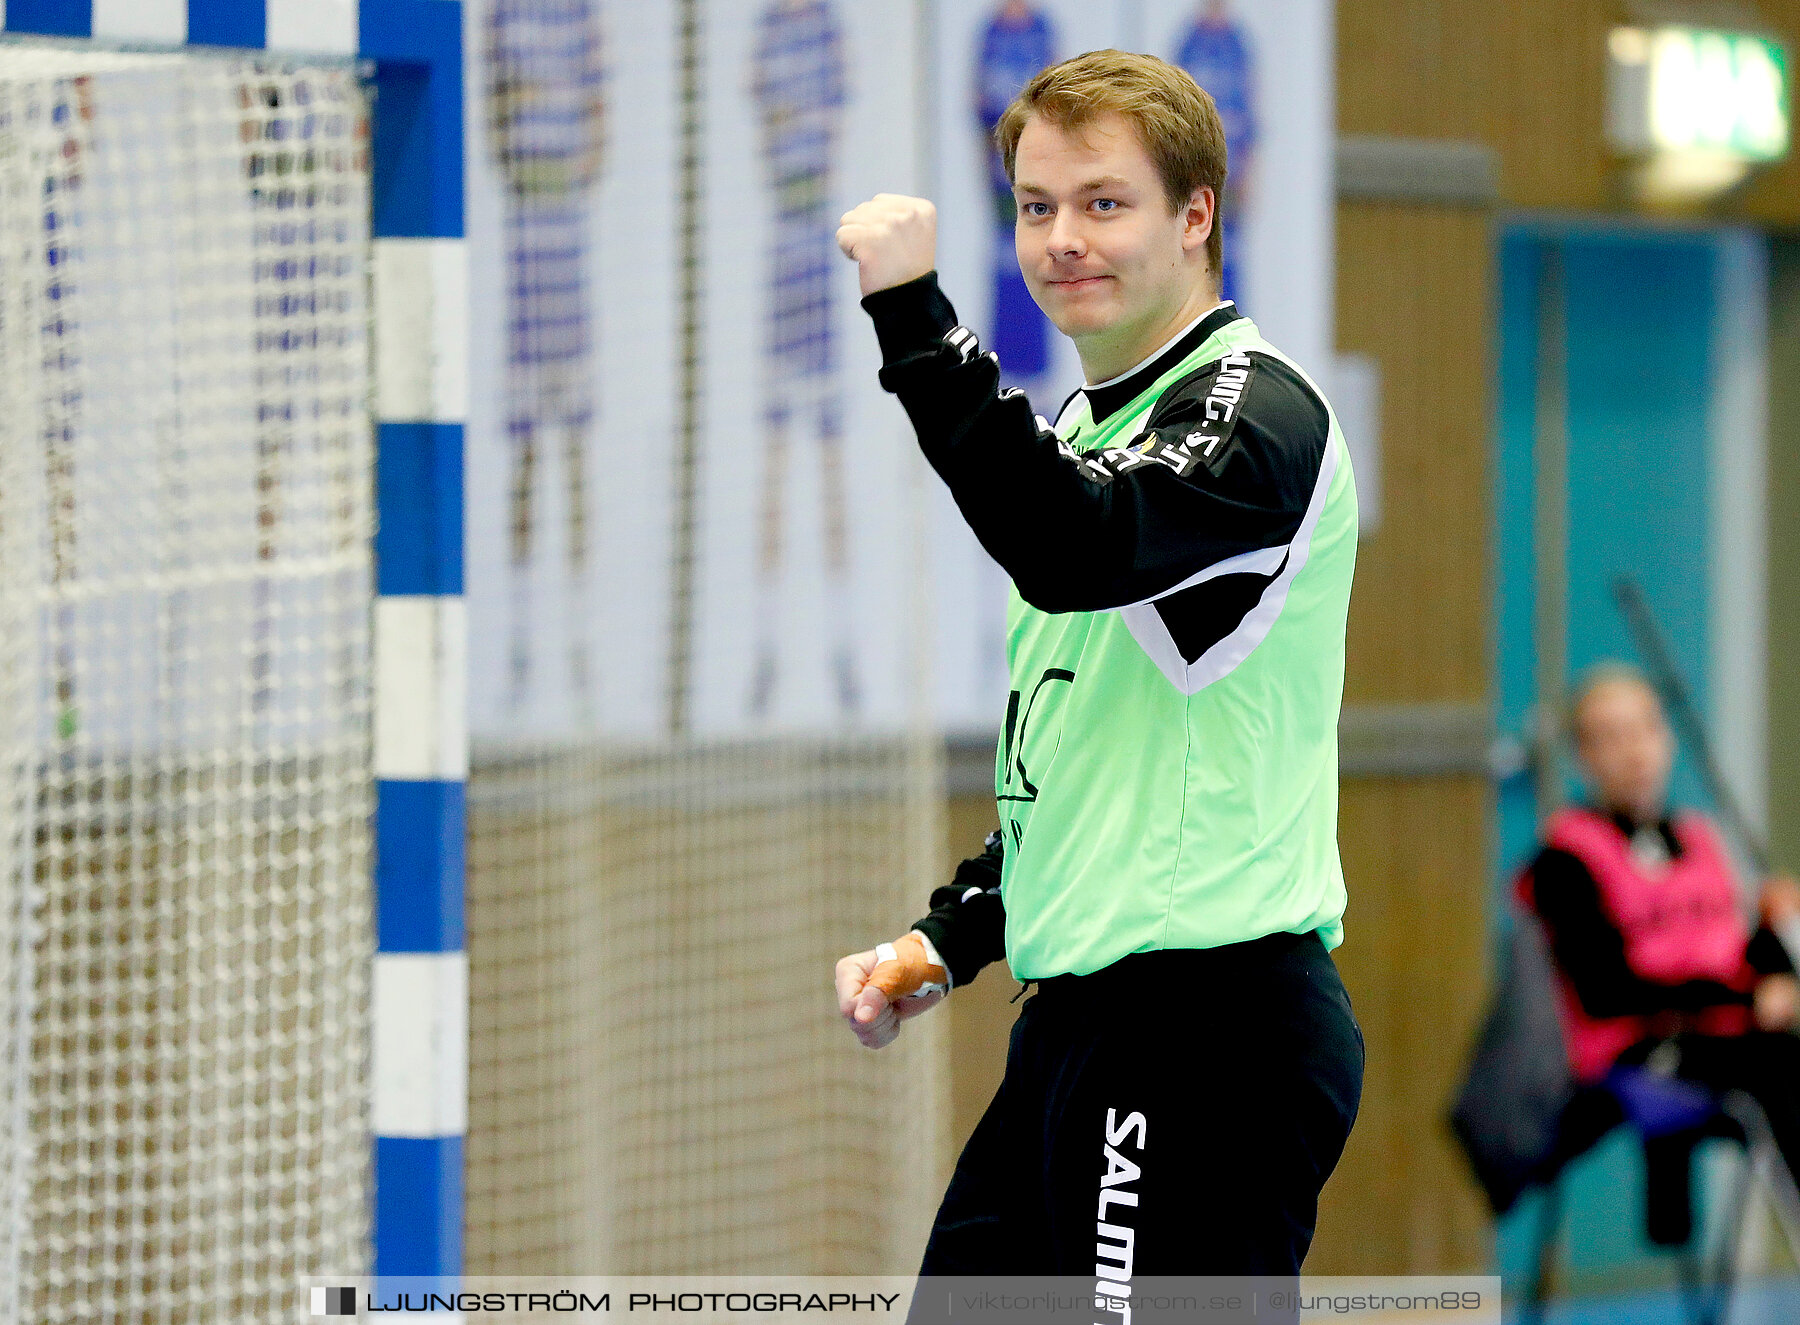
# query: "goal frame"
412,51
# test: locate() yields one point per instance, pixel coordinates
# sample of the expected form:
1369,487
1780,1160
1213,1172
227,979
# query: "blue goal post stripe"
418,1205
418,131
419,508
51,18
420,855
227,23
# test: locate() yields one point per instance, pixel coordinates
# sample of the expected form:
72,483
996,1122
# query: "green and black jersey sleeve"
967,924
1194,514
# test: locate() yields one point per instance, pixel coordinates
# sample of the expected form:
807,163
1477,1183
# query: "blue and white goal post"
419,1022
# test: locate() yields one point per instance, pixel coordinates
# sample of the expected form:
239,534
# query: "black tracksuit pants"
1764,1065
1196,1098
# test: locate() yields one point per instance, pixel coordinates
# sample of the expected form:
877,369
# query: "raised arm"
1226,466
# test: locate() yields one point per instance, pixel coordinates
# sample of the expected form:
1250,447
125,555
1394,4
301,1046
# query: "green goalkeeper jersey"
1181,547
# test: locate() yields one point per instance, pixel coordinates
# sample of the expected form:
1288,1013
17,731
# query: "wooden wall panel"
1412,958
1528,78
1413,291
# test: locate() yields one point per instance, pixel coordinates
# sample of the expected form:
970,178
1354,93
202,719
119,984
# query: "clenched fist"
1777,1001
891,238
874,1004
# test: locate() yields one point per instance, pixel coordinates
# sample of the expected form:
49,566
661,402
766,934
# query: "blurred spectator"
1656,961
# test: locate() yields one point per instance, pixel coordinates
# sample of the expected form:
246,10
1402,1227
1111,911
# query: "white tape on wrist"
884,952
931,955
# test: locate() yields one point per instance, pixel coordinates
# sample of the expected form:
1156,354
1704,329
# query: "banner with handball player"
771,590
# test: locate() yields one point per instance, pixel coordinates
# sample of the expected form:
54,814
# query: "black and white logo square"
334,1301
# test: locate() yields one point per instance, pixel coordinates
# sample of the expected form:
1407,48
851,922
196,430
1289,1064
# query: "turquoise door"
1608,409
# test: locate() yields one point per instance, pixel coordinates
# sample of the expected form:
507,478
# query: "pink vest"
1679,923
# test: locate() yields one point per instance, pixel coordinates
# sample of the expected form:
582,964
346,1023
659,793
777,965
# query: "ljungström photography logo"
334,1301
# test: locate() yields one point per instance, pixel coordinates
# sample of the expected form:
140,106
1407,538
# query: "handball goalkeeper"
1180,543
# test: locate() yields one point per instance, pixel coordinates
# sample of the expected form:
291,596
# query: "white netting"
701,769
660,1083
185,784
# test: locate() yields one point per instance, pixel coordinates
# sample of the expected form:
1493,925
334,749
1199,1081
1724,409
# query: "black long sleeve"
1226,466
1590,950
1767,955
967,924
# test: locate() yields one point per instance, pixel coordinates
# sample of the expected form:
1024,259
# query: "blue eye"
1106,204
1027,208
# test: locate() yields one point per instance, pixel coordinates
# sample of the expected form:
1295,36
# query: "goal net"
185,772
701,770
660,1083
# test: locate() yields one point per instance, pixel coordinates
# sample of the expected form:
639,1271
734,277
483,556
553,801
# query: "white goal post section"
233,1007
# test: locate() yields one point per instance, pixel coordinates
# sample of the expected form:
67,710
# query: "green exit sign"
1696,90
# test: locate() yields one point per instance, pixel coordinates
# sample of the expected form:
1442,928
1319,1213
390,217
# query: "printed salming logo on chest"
1015,778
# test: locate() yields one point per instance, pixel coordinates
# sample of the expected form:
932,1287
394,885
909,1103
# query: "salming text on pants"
1188,1104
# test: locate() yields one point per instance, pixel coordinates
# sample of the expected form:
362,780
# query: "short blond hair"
1174,115
1607,672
